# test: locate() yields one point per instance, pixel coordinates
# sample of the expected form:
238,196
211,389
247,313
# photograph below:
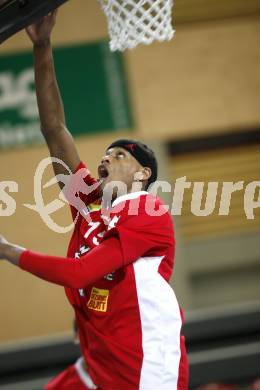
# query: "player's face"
118,165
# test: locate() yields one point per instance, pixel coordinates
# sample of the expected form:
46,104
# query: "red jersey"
128,317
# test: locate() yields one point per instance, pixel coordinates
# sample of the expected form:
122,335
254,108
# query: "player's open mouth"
102,172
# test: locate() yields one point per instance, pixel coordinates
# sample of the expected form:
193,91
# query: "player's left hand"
40,32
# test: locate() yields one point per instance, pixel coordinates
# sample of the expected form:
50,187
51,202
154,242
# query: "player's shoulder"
147,207
150,202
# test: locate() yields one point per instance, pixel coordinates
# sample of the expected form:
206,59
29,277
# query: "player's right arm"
136,236
51,112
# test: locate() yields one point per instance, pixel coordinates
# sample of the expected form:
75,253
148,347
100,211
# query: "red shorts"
73,378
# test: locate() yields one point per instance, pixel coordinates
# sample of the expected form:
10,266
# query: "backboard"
18,14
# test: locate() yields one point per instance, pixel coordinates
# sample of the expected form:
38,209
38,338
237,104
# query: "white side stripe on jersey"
84,376
161,327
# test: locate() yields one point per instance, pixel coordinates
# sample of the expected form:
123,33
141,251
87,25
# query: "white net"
131,22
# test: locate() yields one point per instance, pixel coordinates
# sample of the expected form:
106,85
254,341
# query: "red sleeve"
137,236
81,189
75,273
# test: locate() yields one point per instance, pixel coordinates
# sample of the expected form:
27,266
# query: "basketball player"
118,265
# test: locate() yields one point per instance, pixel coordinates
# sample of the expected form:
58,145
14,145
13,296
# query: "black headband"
141,152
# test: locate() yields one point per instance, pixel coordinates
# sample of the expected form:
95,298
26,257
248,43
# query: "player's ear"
147,172
143,175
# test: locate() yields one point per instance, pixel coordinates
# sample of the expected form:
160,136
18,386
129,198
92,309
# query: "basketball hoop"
131,22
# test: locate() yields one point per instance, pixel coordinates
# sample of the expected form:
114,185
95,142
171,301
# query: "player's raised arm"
53,127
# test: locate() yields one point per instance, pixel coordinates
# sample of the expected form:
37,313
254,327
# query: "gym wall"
205,81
